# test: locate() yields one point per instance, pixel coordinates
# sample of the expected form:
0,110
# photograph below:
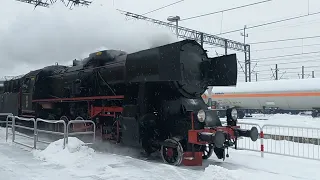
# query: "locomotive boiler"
149,99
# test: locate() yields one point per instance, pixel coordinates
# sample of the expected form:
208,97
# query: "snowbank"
75,153
214,172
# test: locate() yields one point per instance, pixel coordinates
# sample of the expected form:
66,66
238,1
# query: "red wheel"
172,155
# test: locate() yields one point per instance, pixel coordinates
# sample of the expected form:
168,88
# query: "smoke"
160,40
44,36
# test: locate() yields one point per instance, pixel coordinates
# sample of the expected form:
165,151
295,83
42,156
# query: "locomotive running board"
91,98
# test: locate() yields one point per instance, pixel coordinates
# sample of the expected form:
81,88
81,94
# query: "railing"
8,115
52,132
245,143
292,141
301,142
36,130
82,133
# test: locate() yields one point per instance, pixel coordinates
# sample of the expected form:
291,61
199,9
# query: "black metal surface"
212,119
177,63
220,71
217,138
130,133
253,133
178,114
1,87
174,68
9,103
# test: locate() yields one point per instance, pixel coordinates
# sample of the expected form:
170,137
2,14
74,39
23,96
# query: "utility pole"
277,70
275,73
302,75
247,66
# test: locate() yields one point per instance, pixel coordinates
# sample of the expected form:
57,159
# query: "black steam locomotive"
151,99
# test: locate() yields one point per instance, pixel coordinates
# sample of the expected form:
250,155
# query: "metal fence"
52,132
8,115
34,127
82,133
292,141
301,142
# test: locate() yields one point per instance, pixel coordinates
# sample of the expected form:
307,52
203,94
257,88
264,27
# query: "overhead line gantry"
202,38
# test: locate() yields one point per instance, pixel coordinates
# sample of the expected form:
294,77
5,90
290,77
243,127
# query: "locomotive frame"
149,99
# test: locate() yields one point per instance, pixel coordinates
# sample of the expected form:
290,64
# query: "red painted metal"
110,111
92,98
95,111
193,134
192,158
81,127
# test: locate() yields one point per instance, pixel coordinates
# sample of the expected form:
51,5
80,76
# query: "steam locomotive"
149,99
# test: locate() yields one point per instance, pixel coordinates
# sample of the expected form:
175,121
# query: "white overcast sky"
31,39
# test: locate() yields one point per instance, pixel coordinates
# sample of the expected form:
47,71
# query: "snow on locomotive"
149,99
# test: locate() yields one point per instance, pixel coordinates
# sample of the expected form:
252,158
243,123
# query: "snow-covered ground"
81,162
283,119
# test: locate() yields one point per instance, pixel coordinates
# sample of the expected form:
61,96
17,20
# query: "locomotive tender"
149,99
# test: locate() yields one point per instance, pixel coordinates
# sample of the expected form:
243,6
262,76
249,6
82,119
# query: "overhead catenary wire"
287,55
271,22
162,7
168,5
293,62
286,47
282,40
290,68
277,48
296,24
225,10
289,58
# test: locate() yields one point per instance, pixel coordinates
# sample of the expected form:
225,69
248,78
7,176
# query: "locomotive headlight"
234,114
201,115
